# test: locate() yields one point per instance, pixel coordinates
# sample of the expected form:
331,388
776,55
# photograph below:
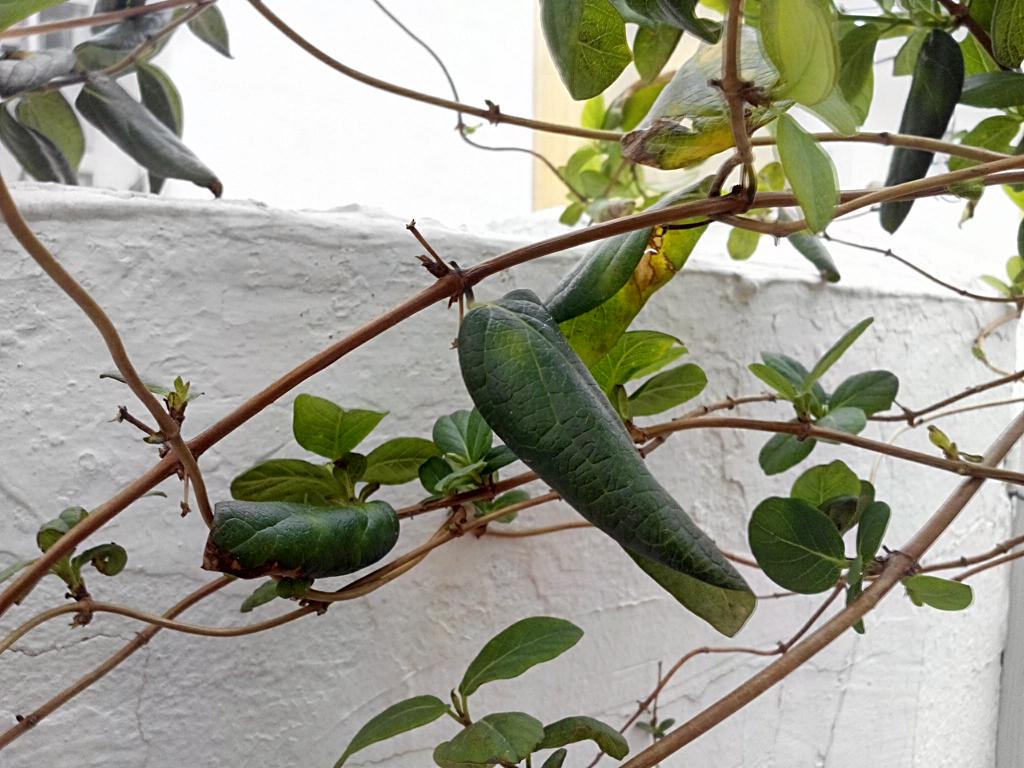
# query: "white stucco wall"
229,294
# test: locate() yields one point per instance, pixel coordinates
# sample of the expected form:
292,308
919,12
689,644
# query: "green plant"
550,377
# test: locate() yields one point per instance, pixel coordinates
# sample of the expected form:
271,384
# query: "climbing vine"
565,384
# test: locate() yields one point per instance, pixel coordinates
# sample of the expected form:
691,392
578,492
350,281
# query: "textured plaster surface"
229,295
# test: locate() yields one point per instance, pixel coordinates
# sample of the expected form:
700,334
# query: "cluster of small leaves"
176,398
108,559
44,132
321,498
637,355
603,184
505,738
465,459
798,540
846,409
333,433
347,478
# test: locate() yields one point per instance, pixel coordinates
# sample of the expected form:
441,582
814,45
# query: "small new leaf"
262,595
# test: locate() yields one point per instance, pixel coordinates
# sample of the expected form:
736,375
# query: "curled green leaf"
250,539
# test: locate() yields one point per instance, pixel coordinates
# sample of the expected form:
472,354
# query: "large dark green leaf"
50,114
689,121
518,648
544,404
797,546
210,27
396,719
678,13
398,461
934,93
997,90
39,156
141,135
504,737
329,430
587,41
287,480
22,72
570,730
252,538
